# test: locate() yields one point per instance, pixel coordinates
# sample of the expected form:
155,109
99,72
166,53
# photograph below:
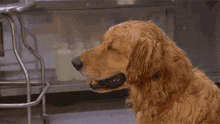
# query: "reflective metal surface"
2,53
17,7
46,30
97,4
24,69
29,104
21,64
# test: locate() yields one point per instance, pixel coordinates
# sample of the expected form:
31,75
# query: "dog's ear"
154,55
154,60
145,61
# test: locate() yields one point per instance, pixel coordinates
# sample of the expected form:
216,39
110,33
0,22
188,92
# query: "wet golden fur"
140,50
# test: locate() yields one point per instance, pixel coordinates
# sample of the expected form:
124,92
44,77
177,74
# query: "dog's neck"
174,96
157,105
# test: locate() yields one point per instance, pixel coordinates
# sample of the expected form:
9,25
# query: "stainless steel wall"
191,24
196,31
46,30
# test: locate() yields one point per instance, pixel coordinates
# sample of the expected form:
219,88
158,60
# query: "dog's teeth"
93,82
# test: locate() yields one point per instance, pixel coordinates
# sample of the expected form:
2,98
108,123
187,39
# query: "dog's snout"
77,63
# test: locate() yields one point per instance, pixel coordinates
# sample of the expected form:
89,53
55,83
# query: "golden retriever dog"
163,86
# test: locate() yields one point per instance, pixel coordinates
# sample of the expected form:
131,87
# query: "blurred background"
57,26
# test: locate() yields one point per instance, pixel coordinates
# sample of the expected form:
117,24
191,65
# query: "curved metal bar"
37,56
25,105
17,7
21,64
16,82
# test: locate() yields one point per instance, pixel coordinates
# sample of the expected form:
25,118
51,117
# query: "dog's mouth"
110,83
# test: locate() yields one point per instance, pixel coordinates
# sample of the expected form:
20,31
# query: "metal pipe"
15,82
17,7
39,58
1,38
25,105
21,64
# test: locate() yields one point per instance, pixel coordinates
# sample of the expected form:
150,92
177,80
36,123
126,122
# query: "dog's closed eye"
111,48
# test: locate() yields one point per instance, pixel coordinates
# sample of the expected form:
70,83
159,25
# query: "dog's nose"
77,63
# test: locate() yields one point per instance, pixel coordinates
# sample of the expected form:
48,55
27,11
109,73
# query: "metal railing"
6,12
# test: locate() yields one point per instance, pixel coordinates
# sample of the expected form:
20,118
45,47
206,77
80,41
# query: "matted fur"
155,68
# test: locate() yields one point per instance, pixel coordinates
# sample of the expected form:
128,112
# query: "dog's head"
131,52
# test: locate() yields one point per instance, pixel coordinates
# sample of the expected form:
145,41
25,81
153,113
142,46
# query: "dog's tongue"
111,82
